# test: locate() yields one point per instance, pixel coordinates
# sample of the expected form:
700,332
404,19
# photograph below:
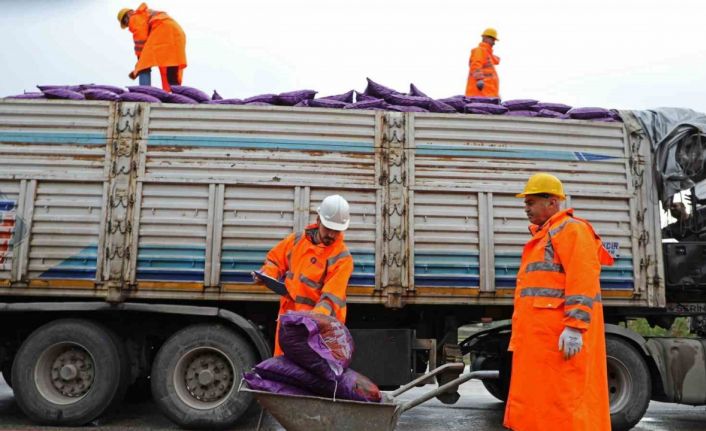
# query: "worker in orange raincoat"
482,78
159,41
559,378
315,264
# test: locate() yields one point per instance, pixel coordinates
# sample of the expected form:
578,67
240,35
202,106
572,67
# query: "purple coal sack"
327,103
265,98
362,97
98,94
258,383
343,97
178,98
111,88
138,97
588,113
519,104
480,99
367,104
43,88
457,102
441,107
291,98
547,113
354,386
216,96
225,102
487,107
316,342
414,91
557,107
63,93
404,100
377,90
191,93
282,369
155,92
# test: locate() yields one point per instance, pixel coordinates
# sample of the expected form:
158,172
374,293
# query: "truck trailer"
130,231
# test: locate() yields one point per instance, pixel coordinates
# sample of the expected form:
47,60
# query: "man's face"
539,209
326,235
489,40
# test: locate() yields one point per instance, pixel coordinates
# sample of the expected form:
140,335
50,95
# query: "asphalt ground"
477,410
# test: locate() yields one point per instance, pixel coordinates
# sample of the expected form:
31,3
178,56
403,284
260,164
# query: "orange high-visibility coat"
315,275
481,67
159,41
558,285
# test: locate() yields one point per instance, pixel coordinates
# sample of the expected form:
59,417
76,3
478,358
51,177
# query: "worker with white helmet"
483,80
315,264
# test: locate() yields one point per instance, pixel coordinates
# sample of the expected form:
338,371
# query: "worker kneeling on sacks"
315,265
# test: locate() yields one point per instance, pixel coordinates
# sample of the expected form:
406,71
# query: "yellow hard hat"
543,183
121,15
491,32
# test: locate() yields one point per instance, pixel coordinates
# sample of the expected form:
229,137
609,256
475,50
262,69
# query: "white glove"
570,342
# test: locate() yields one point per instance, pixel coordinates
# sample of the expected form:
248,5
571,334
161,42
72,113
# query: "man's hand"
570,342
132,75
256,278
480,85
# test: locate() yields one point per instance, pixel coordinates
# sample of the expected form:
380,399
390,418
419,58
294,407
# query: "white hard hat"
334,213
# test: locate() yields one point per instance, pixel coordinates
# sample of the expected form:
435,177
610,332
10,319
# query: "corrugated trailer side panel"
481,162
53,172
222,185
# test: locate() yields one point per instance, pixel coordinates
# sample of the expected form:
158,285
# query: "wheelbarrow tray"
312,413
308,413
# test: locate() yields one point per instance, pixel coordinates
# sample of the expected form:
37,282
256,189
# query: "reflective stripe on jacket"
481,66
315,275
558,285
159,40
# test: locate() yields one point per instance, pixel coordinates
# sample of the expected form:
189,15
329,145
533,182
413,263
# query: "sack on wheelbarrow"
258,383
351,385
317,342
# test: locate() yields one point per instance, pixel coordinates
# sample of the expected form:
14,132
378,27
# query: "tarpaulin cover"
316,342
678,140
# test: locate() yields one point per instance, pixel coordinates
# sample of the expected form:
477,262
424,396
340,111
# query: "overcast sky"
614,54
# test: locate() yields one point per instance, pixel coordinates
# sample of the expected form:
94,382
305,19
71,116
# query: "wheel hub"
72,372
208,377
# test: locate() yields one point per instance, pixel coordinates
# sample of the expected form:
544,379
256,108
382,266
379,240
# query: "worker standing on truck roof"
482,78
159,41
315,264
559,378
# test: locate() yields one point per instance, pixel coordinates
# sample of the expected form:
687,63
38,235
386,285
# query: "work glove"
480,85
570,342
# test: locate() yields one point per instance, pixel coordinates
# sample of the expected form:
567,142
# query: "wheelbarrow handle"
456,366
452,384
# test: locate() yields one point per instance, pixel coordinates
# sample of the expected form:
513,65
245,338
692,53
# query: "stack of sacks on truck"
375,97
317,352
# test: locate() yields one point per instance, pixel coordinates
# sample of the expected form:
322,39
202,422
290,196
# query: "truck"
129,232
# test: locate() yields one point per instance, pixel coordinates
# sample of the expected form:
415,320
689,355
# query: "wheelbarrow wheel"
195,377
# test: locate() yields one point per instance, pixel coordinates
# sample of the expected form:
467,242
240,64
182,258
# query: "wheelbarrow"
311,413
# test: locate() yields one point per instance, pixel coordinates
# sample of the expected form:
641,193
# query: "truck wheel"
196,374
69,372
7,372
500,387
629,384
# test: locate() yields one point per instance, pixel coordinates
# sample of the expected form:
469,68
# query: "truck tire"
629,384
69,372
196,374
500,387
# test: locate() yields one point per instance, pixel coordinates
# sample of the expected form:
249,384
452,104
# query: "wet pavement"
476,410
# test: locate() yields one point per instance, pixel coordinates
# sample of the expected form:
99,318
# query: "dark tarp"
678,139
